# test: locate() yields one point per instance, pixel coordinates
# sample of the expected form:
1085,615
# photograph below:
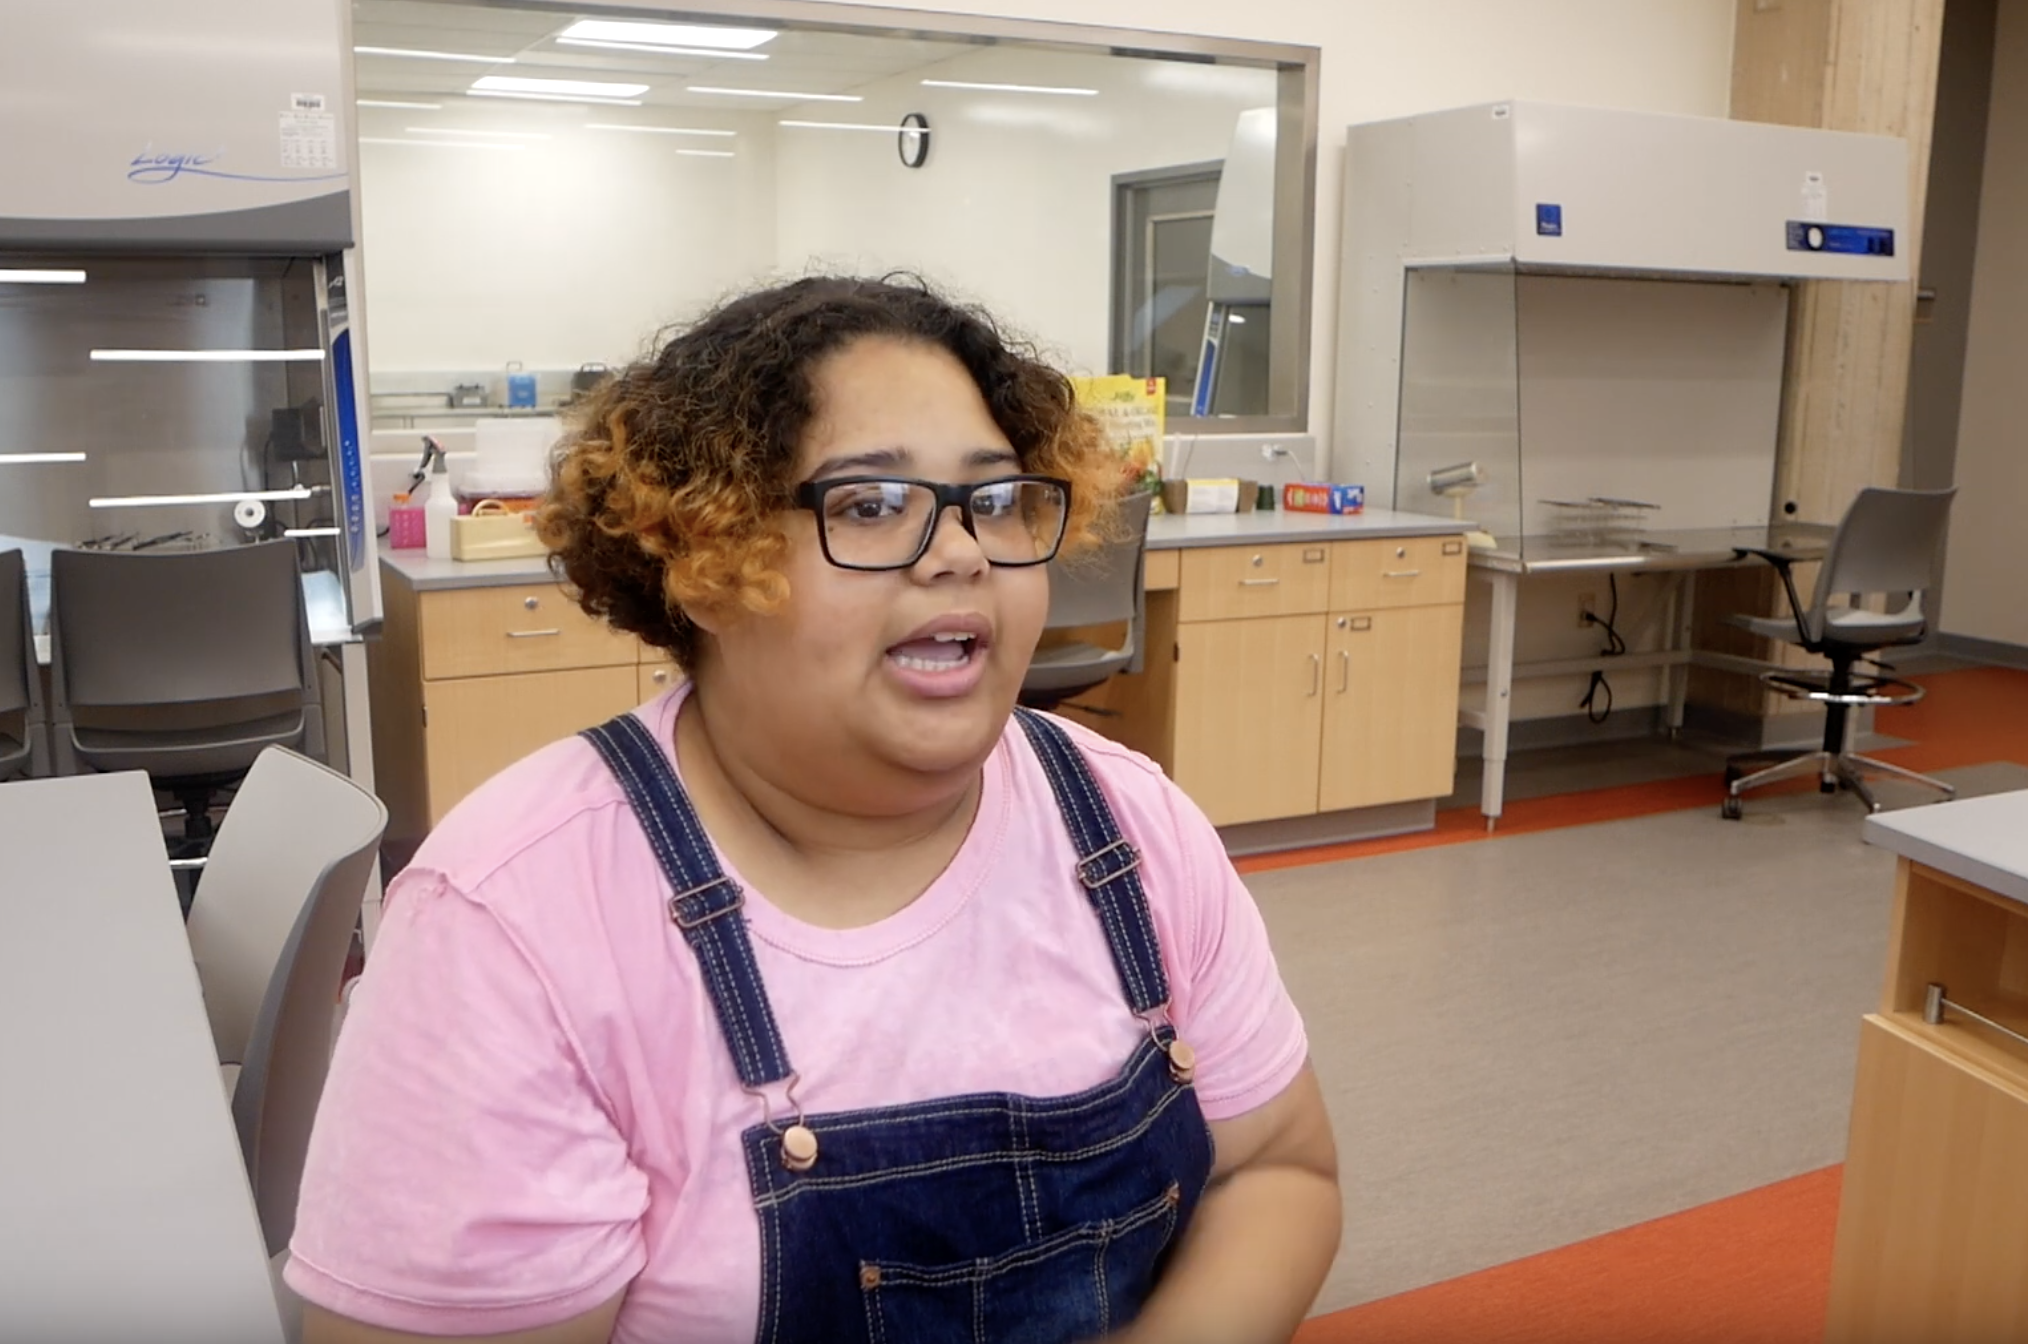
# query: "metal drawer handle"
532,634
1934,1003
1399,573
1258,583
531,603
1316,674
1344,670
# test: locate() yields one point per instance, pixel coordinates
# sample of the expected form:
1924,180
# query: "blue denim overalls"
994,1218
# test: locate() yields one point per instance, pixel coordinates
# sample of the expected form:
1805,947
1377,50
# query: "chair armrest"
1785,566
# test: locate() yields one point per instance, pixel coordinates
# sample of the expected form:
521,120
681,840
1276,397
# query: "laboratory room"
1356,663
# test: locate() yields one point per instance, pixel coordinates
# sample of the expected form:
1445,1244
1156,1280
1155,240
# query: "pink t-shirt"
531,1106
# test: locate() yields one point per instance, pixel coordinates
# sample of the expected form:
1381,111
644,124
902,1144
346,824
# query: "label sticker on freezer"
1850,239
1549,220
309,140
1816,197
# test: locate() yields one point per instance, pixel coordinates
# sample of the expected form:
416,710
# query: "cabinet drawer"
1404,572
477,726
1222,582
478,632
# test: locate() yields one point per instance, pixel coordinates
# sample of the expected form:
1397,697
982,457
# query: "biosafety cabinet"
1544,307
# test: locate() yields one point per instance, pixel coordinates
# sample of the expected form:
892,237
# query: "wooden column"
1845,65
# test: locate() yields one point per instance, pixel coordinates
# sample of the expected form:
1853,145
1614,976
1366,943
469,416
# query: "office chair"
1887,543
24,742
1102,587
185,665
270,931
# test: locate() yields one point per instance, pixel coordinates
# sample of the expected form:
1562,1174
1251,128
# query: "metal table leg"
1499,693
1683,614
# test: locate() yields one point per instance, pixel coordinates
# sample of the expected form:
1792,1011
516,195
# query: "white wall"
1387,58
573,249
1013,207
1982,592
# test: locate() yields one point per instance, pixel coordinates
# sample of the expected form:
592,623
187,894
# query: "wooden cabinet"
1249,709
1390,706
1933,1221
1317,677
466,681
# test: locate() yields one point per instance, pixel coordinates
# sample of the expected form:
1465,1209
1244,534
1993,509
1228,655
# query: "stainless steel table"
124,1207
1684,553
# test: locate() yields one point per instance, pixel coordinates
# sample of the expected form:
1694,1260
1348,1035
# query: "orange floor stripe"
1968,718
1752,1269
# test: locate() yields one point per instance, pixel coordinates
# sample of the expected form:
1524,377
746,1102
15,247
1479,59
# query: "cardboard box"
1318,497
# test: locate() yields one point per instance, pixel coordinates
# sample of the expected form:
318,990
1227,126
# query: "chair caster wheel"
1730,809
1827,786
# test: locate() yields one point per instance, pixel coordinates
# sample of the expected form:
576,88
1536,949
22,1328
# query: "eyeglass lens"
875,523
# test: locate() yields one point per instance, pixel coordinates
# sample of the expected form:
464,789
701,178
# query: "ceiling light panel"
388,102
853,126
437,144
555,98
557,88
41,276
784,94
669,34
662,51
414,54
1061,90
654,130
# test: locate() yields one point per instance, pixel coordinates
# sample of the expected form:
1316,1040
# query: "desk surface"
1698,548
127,1213
1983,841
1166,532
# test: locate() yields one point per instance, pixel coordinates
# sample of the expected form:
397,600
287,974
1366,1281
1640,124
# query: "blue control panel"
1851,239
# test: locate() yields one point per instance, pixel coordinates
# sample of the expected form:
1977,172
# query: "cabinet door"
476,726
1390,706
1932,1226
1249,707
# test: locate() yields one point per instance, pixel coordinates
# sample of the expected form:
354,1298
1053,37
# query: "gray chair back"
270,931
1098,587
207,652
1887,543
23,734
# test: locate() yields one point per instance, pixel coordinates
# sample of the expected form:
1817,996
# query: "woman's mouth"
937,653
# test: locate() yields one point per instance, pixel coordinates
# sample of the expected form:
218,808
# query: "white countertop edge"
1167,532
1983,841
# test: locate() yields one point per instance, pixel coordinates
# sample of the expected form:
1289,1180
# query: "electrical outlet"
1587,610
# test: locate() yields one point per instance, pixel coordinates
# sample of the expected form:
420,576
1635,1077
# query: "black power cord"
1595,708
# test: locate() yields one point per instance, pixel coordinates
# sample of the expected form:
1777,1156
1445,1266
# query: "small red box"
1322,498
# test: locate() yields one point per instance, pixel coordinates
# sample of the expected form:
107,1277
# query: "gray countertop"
1983,841
1167,532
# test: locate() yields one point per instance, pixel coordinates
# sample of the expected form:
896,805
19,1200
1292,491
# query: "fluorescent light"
554,98
42,277
1009,88
670,34
1236,319
465,130
663,51
778,93
433,55
29,459
436,144
570,88
206,356
387,102
227,497
311,531
853,126
706,153
653,130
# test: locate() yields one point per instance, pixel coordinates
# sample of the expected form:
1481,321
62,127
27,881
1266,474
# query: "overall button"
1182,1060
799,1148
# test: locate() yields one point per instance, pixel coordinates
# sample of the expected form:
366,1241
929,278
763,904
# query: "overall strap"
706,904
1107,866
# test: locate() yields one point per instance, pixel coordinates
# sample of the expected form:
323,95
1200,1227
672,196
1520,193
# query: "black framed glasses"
886,522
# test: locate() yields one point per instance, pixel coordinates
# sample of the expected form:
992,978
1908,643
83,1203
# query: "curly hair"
670,482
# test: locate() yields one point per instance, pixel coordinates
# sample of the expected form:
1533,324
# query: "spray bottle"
439,509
